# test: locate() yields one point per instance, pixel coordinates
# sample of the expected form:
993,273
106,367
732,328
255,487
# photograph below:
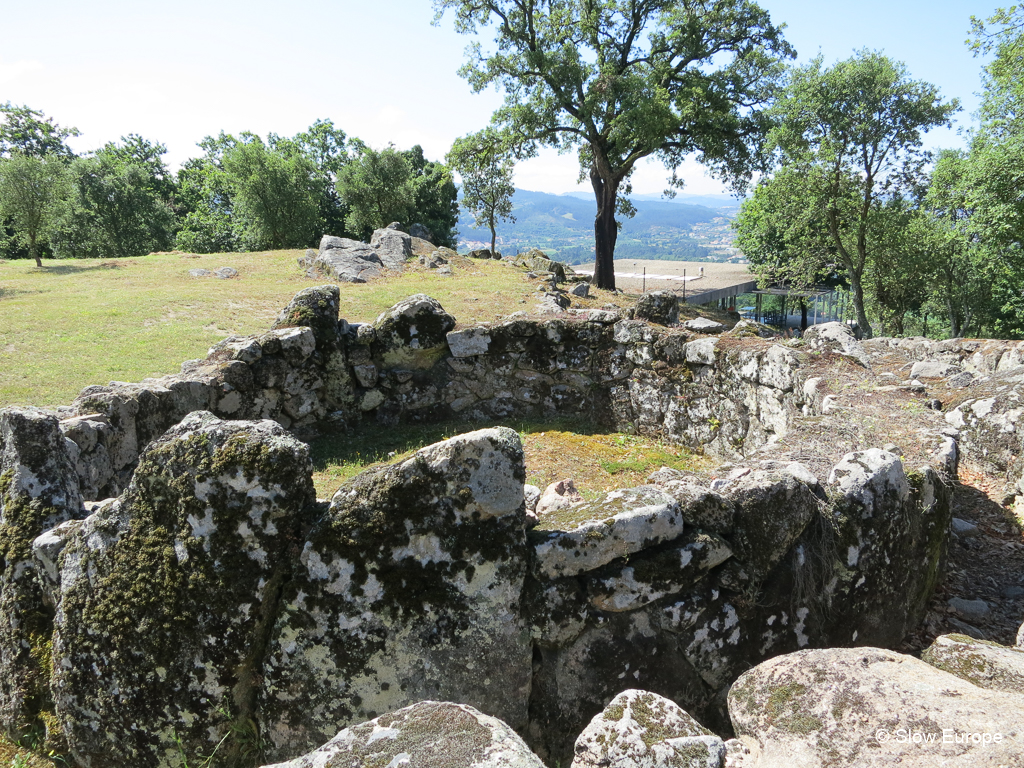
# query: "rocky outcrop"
352,261
861,707
347,261
428,734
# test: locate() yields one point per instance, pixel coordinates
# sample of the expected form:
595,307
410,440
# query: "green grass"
595,459
91,321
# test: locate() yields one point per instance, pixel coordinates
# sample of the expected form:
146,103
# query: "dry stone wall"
215,599
719,393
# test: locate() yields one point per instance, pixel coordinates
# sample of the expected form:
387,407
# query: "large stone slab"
38,489
408,589
588,535
866,707
166,596
393,247
429,734
348,261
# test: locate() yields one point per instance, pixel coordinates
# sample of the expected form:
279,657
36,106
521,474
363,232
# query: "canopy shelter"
824,304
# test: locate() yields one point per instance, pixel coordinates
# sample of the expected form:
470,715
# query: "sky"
176,72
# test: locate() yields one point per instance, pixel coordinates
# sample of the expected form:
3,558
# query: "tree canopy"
32,133
848,137
32,189
621,80
378,189
485,163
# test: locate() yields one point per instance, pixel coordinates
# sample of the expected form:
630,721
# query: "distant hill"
564,226
715,202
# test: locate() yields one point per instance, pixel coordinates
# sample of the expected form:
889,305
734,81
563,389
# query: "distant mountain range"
563,225
715,202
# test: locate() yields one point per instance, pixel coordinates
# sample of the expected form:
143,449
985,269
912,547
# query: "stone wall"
216,600
724,394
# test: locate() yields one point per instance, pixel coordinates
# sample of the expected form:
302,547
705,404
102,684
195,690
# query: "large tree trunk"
858,305
33,251
605,231
494,238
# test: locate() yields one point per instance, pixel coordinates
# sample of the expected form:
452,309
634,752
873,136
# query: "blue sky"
175,72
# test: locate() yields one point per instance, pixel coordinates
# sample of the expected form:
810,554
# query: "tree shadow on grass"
60,268
7,292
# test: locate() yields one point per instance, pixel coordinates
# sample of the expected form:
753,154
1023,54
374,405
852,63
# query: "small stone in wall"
660,307
558,495
703,325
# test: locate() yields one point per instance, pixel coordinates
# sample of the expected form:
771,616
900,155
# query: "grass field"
81,322
76,323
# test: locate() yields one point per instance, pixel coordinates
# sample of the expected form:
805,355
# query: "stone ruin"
172,588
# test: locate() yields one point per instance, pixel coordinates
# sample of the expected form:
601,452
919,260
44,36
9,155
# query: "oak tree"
622,80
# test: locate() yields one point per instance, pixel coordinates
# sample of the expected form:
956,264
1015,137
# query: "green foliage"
32,133
116,207
378,188
204,208
275,194
32,190
850,135
436,203
621,80
485,163
782,230
325,146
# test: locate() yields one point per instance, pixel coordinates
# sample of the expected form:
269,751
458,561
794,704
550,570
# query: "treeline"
854,200
244,193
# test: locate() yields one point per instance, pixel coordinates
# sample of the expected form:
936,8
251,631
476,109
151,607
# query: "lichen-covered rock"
348,261
393,247
771,511
429,734
167,595
838,338
409,588
704,325
701,507
472,341
317,309
639,729
990,431
38,490
413,333
585,536
865,707
661,307
646,578
884,516
985,664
